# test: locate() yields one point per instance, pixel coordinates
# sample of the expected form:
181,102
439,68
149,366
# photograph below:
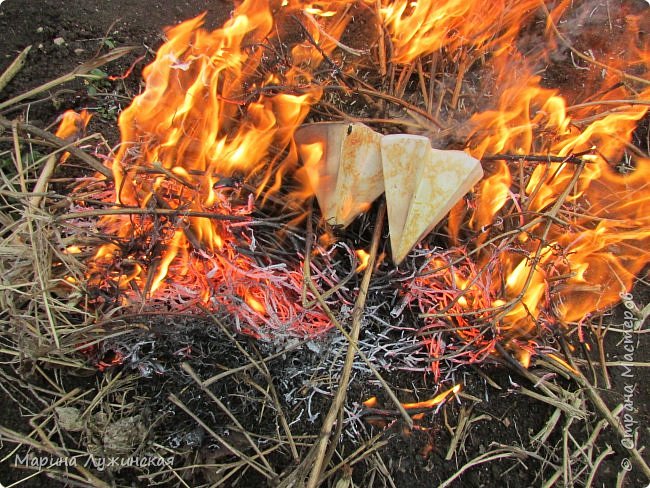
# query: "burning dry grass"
200,402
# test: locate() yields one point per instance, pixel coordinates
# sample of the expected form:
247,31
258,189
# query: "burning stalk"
413,409
60,143
571,159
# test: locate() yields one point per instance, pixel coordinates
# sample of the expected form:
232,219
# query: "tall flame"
422,27
547,243
213,115
599,239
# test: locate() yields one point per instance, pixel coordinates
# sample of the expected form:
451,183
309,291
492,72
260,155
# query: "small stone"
69,419
79,51
59,41
39,30
123,436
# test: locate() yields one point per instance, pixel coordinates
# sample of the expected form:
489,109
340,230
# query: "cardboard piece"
343,165
430,180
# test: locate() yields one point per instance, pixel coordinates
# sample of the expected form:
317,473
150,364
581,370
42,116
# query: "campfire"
436,186
211,139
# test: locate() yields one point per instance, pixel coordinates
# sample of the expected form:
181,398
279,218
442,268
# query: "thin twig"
403,103
339,399
172,212
75,151
534,158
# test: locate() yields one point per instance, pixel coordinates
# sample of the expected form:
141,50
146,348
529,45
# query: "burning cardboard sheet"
349,165
343,164
422,185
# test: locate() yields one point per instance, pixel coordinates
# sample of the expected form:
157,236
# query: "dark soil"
86,28
415,458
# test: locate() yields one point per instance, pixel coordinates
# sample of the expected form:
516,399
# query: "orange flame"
204,116
551,243
425,26
436,400
524,357
72,250
562,362
370,402
72,127
363,257
573,233
606,214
